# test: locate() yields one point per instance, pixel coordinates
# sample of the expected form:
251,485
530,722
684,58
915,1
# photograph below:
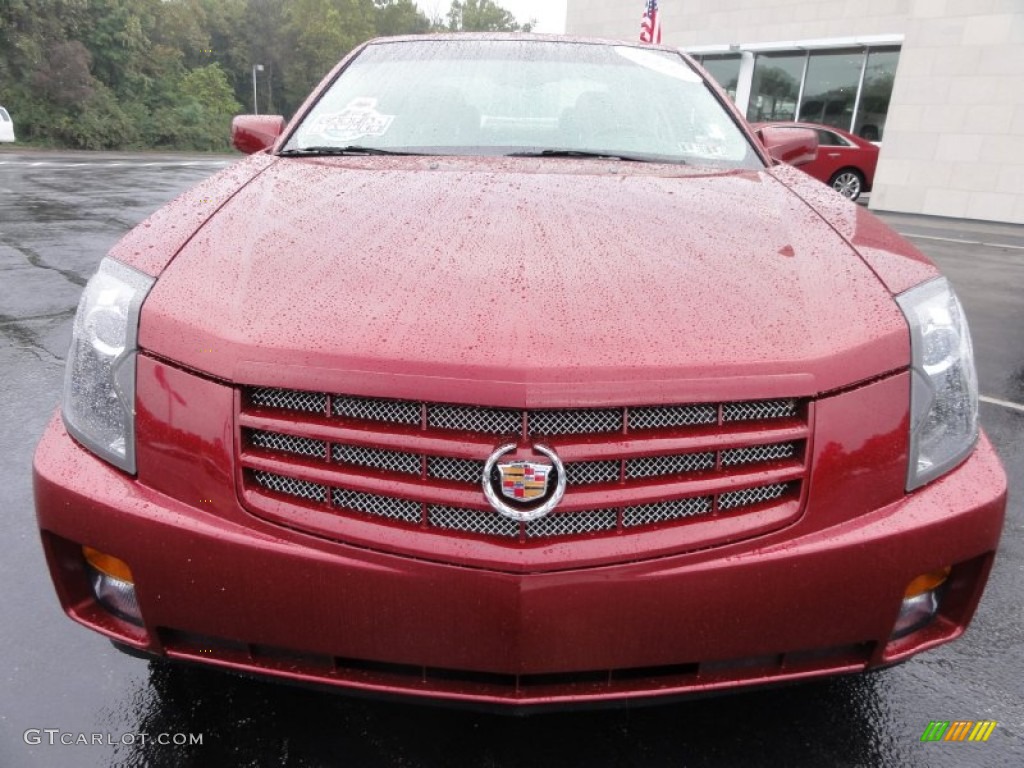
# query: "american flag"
650,26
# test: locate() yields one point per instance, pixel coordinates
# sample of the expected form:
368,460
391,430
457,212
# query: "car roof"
522,37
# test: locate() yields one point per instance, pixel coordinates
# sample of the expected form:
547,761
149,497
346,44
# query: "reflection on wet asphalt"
59,216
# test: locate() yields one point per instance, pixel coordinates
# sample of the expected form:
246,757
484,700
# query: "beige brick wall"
955,130
953,140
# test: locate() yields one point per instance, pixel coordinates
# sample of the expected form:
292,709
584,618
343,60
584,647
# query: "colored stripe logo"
959,730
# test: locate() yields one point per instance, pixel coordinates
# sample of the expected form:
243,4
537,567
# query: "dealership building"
938,83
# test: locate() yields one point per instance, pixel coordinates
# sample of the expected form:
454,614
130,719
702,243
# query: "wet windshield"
515,97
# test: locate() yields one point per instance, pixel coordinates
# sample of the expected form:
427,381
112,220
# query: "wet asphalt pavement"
59,213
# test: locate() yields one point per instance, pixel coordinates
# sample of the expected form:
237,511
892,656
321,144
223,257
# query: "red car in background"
845,162
514,371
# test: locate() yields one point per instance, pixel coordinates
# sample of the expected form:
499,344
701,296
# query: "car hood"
523,282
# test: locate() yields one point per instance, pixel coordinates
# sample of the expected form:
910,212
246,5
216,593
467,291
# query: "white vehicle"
6,126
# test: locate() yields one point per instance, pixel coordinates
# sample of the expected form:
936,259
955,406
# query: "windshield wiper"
580,153
351,149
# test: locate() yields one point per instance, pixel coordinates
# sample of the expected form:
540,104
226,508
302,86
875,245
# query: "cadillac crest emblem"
524,490
524,480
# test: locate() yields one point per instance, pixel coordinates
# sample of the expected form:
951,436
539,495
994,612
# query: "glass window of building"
725,70
776,87
879,76
830,90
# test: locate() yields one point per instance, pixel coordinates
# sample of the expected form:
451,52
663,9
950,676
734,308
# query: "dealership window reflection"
725,70
776,87
843,88
830,88
879,75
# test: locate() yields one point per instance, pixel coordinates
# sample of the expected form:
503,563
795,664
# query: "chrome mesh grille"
501,421
291,486
368,409
573,524
576,422
670,416
377,458
430,502
489,421
759,410
649,514
289,400
275,441
751,496
387,507
459,470
591,472
756,454
663,466
472,521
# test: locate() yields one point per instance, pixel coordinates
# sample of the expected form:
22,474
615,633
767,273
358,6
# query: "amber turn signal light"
926,582
108,565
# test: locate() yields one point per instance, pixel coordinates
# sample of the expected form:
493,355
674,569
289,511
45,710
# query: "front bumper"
232,591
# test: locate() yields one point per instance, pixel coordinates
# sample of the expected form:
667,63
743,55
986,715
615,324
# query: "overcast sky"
550,14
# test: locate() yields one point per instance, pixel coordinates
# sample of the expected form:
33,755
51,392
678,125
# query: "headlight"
944,384
99,383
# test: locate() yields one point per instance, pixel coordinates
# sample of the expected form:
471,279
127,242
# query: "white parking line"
960,241
1003,403
116,164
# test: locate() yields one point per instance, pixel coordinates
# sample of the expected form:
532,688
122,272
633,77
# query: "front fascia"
209,571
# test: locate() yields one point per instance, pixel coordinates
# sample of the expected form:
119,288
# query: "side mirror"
796,146
254,133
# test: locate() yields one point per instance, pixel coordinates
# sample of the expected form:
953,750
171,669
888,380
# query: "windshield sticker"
659,62
359,120
702,149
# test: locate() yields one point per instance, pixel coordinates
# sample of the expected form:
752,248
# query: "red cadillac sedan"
845,162
515,371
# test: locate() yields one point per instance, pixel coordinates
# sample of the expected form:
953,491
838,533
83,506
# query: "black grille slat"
661,512
383,411
672,416
301,446
289,400
751,496
663,466
471,521
377,458
757,454
466,418
759,410
591,472
291,486
387,507
459,470
575,422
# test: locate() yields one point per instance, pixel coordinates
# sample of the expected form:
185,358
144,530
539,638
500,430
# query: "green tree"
483,16
400,17
170,73
117,34
199,115
319,34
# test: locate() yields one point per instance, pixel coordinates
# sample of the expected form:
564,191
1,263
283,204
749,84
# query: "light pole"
255,106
